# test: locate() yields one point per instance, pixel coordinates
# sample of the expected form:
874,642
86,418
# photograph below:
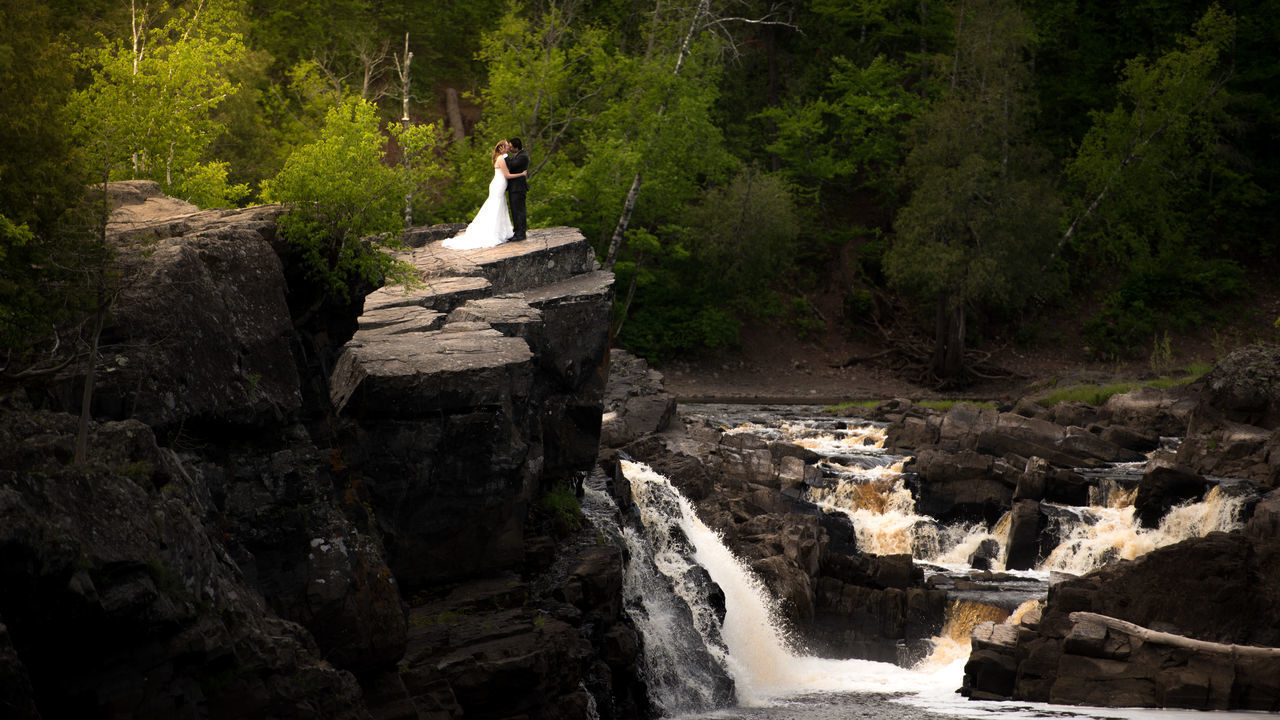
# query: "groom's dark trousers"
517,189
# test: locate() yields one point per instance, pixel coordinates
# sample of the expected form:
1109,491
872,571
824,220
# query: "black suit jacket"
518,163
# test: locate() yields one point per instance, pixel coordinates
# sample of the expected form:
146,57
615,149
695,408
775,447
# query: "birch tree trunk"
629,205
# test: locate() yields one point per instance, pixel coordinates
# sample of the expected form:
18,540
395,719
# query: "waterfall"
671,601
750,643
711,634
1101,535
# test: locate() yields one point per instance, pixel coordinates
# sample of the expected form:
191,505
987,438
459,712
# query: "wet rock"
635,403
1025,530
1222,588
1162,487
1138,439
964,486
987,552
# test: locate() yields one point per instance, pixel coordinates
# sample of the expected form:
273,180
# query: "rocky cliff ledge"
304,511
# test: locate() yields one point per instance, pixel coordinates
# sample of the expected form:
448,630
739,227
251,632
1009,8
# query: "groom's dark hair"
515,143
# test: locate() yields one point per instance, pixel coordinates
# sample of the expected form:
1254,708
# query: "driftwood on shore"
1164,638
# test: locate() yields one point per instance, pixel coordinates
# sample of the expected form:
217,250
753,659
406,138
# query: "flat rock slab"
398,320
441,294
548,256
588,285
508,314
410,374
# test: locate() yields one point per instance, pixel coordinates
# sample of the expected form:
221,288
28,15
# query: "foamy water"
773,680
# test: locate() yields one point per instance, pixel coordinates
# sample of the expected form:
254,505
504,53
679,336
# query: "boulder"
1169,629
964,486
1164,412
1163,486
1026,525
200,333
453,432
636,403
1244,387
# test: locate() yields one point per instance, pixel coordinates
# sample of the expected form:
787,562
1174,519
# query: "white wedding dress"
492,224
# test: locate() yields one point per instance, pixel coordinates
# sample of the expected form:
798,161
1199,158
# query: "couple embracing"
492,224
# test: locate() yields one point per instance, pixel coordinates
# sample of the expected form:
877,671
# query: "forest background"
939,175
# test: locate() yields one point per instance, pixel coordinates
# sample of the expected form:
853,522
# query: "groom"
517,188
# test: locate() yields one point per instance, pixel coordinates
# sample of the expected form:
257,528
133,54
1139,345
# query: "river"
690,651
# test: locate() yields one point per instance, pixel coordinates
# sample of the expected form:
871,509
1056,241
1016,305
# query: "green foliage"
982,219
341,193
804,319
744,233
40,174
661,330
206,185
147,113
561,507
1151,163
857,124
20,297
1159,294
1094,394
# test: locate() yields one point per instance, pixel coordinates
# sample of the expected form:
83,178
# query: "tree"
1149,162
147,112
983,215
340,194
40,177
856,125
681,44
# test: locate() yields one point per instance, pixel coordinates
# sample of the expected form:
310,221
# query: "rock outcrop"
279,490
469,397
1232,430
1191,625
114,558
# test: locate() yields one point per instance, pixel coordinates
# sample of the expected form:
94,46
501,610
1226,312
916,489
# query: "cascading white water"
871,493
1102,535
757,653
689,651
768,674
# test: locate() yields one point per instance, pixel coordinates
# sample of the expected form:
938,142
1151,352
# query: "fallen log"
1164,638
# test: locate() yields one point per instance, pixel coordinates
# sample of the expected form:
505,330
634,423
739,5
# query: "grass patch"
943,406
939,405
860,404
560,506
1095,394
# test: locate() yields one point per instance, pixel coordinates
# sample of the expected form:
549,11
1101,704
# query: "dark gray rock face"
248,569
114,558
201,331
635,403
1233,428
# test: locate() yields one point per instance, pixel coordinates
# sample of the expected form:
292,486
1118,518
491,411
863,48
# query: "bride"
492,224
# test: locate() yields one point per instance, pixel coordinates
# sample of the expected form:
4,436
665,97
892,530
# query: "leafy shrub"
1159,294
561,507
662,332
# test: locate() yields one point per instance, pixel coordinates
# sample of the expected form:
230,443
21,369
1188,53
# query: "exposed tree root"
909,356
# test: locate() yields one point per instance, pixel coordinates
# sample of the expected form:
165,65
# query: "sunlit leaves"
148,111
340,192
